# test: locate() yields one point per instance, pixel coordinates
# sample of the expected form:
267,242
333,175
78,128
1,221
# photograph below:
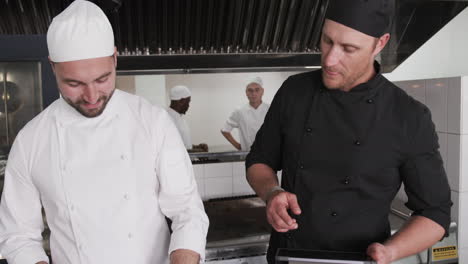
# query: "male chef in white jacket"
248,118
106,166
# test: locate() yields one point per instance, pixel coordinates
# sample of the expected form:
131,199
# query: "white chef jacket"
105,183
248,120
182,127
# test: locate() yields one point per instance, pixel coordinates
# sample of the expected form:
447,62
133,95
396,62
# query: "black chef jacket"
345,155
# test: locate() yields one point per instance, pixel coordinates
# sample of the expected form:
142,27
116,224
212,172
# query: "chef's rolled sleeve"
266,148
232,122
21,223
423,173
178,195
32,254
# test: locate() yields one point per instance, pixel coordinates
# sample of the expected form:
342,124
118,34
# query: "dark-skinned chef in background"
181,97
346,139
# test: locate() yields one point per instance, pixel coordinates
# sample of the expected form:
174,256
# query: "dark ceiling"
172,34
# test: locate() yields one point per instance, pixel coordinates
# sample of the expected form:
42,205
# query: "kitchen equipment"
238,232
289,256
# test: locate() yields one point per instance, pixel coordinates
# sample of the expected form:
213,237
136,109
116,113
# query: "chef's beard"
90,113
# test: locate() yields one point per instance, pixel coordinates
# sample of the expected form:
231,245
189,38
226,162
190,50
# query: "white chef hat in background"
81,31
256,80
179,92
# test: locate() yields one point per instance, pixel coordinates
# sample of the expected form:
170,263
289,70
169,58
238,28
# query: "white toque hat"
256,80
179,92
81,31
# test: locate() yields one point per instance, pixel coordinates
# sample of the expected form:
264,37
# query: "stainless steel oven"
238,232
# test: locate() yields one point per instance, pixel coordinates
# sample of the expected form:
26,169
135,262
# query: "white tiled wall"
464,105
218,187
238,169
443,138
454,106
216,170
456,203
239,181
199,173
463,182
219,180
414,88
447,99
462,254
436,100
463,227
452,167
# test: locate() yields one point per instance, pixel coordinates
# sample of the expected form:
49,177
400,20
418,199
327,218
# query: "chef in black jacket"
345,139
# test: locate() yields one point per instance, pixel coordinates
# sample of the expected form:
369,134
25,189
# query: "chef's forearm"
418,234
184,256
262,179
231,139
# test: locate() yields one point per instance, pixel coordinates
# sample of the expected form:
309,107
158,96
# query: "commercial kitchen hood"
160,36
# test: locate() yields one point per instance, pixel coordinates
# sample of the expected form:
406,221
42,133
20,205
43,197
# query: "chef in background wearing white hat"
248,118
181,96
107,167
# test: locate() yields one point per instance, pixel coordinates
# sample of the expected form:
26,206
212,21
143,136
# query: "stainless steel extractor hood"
228,35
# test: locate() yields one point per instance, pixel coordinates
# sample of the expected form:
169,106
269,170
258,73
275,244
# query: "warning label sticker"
442,253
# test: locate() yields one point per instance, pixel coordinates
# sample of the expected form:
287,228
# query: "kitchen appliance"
238,232
175,36
289,256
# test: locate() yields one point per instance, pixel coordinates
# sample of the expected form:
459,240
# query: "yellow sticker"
442,253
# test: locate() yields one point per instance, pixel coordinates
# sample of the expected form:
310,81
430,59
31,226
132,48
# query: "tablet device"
296,256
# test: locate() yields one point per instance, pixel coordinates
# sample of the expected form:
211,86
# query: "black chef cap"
371,17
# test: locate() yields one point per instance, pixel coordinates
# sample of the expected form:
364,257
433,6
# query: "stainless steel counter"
238,232
220,156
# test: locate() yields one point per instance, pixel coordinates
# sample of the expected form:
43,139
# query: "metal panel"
20,48
247,29
20,98
271,15
282,12
209,25
317,28
220,10
260,15
301,25
224,63
309,29
187,27
238,17
290,21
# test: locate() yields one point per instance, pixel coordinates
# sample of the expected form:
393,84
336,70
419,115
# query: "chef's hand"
277,211
380,253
